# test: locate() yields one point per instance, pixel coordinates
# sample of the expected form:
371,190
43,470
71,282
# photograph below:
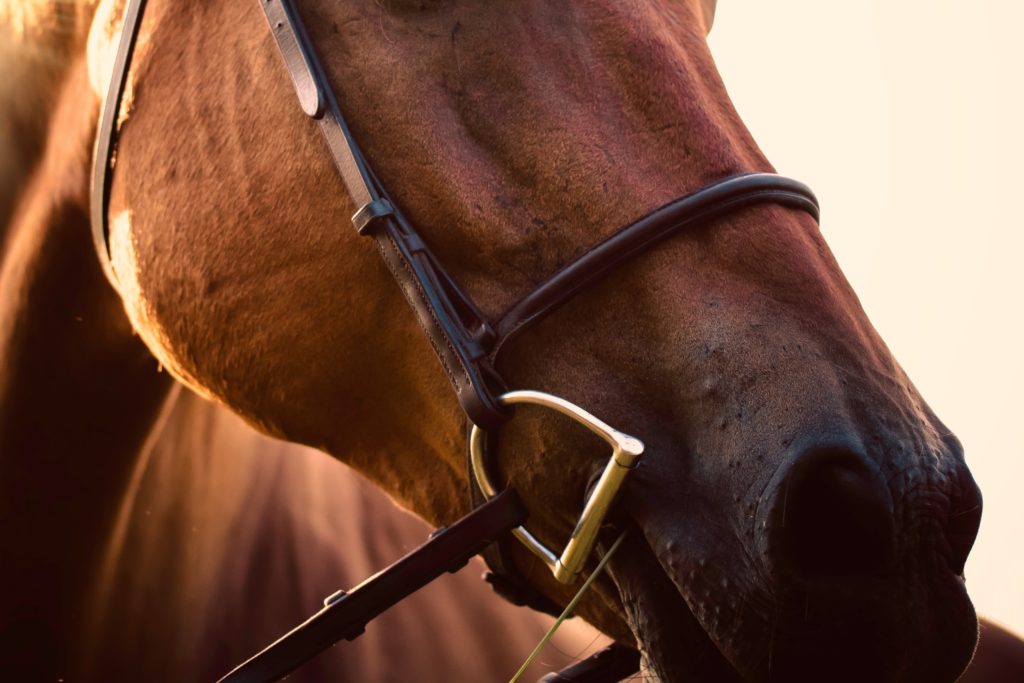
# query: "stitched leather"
695,209
317,99
296,57
345,615
457,331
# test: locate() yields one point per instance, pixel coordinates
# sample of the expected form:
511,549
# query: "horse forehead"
591,147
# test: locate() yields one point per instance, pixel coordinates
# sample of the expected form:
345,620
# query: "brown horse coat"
46,248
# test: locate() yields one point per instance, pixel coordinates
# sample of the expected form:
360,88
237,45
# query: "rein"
467,345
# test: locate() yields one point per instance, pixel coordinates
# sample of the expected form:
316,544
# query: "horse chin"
674,644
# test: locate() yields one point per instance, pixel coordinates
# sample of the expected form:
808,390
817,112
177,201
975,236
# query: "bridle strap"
458,332
320,104
345,615
691,211
461,336
463,339
106,136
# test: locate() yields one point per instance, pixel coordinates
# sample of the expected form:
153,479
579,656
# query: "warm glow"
101,48
19,16
906,120
125,263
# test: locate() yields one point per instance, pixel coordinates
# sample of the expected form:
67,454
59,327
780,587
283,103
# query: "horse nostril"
834,516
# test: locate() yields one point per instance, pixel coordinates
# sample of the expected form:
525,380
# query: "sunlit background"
905,118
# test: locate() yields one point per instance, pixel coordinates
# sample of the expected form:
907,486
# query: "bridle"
467,344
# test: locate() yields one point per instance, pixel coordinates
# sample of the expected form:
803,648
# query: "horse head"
799,512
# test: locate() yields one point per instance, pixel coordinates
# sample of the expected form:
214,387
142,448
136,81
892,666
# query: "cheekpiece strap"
458,332
106,136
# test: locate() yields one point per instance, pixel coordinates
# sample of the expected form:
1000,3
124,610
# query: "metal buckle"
626,450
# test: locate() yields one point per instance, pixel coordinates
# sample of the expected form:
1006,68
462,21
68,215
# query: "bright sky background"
906,118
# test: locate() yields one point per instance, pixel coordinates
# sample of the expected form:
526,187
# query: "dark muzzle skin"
830,515
812,515
846,566
839,577
856,559
806,515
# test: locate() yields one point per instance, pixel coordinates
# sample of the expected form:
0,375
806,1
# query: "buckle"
626,450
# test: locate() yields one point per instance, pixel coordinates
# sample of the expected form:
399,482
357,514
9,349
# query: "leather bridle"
467,344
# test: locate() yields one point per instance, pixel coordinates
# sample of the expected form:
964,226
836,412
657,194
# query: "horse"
198,526
799,504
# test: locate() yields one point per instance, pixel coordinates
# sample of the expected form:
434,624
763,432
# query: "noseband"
467,344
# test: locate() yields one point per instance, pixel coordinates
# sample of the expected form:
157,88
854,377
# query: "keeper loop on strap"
370,212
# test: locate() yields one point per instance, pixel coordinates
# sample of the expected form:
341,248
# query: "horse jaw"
673,642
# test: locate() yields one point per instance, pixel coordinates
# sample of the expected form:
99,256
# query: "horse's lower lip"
677,647
674,643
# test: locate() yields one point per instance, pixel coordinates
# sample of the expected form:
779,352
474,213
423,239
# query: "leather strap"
106,136
457,330
462,338
688,212
345,615
693,210
317,100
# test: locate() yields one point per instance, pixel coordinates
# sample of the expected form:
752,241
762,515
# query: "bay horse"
801,509
140,553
